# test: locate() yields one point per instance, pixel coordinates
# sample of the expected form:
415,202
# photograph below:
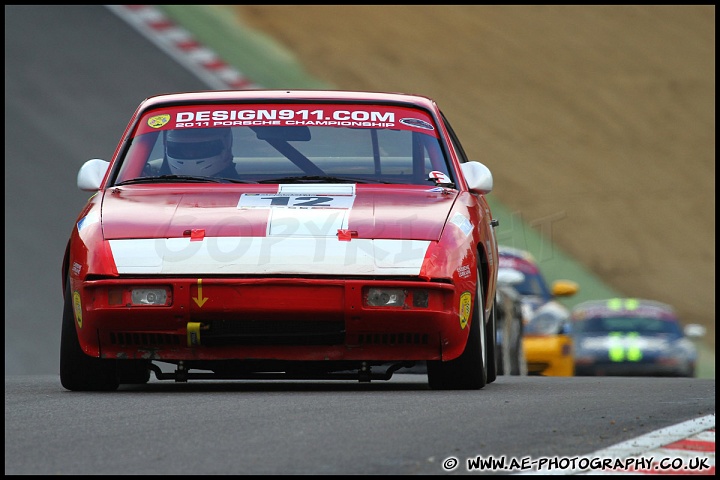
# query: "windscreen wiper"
234,180
178,178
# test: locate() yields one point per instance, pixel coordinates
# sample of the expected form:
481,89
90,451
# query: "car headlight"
139,296
386,297
148,296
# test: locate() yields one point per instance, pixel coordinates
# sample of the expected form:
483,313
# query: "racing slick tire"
468,371
510,358
517,354
78,371
490,339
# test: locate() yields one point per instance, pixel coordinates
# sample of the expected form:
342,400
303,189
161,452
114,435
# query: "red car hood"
316,211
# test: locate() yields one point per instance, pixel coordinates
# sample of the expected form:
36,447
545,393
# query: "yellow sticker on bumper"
77,306
465,306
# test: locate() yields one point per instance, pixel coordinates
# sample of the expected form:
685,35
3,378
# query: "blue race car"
632,337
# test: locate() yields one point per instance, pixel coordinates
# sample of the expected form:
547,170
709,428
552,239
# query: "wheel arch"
65,269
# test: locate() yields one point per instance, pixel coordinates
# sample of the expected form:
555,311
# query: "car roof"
518,259
623,306
275,96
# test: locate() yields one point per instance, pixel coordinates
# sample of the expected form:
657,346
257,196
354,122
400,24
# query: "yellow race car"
547,342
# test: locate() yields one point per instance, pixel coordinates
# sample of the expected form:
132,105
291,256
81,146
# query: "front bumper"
315,319
549,355
634,369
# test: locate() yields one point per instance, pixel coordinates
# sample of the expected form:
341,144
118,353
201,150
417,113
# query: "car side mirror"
477,176
564,288
91,174
693,330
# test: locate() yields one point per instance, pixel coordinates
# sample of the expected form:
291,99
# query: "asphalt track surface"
74,75
344,427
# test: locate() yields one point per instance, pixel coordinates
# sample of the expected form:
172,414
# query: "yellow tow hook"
193,334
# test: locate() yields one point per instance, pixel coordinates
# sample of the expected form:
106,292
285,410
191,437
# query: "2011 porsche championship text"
251,117
632,464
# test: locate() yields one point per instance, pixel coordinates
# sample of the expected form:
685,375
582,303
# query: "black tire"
509,357
491,346
78,371
517,358
509,354
501,353
469,370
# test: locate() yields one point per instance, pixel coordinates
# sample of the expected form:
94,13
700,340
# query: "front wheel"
78,371
468,371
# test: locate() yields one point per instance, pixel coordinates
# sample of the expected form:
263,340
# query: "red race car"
266,234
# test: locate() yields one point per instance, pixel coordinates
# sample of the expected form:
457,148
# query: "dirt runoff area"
600,116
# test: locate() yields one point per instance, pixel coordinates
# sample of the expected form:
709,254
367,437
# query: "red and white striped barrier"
182,46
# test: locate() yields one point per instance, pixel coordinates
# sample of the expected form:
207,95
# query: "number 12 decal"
264,200
299,201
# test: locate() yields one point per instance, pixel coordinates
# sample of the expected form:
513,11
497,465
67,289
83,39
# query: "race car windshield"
189,151
627,324
532,285
300,143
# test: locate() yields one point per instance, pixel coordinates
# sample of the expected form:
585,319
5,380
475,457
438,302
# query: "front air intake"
393,339
145,339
